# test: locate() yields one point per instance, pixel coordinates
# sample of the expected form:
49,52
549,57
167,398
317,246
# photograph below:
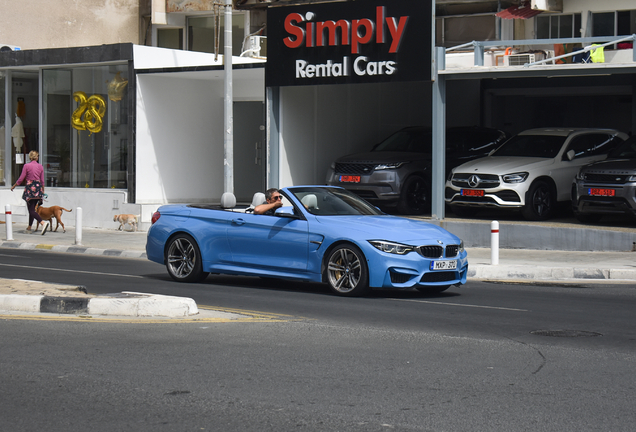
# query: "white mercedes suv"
531,171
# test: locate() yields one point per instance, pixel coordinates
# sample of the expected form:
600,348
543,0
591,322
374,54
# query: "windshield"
544,146
407,140
333,202
626,150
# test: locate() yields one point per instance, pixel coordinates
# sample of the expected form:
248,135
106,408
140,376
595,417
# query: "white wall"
179,139
180,136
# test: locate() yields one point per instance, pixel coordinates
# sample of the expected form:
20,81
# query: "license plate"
601,192
350,179
444,265
472,192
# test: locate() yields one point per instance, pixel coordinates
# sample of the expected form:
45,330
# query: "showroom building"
159,138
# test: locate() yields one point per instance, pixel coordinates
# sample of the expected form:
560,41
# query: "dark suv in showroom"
397,171
608,186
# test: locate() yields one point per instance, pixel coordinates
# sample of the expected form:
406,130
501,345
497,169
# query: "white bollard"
9,222
78,226
494,243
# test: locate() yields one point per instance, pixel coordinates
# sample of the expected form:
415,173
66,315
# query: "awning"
518,12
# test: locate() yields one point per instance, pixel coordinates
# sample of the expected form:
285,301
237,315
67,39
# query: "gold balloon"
94,115
89,114
76,117
116,88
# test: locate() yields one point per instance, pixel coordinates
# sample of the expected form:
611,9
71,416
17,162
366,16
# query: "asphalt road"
481,357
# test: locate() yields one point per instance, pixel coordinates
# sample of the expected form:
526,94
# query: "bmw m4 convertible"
321,234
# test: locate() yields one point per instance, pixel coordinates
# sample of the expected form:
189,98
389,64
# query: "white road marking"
463,305
71,271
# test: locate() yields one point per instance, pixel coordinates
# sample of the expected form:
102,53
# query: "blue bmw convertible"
321,234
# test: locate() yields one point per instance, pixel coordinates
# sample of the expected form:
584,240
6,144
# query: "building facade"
123,128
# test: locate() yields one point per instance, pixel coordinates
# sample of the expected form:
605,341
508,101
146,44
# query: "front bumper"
380,188
412,270
623,202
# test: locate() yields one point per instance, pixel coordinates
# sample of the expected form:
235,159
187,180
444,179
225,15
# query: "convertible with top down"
321,234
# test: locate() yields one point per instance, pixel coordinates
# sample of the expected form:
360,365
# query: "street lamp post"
228,130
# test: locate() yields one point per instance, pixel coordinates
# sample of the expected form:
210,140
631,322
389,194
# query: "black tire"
540,201
415,197
183,259
433,289
464,212
347,272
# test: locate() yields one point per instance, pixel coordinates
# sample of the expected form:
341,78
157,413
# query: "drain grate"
565,333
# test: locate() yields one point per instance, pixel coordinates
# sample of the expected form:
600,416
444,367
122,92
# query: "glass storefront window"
85,142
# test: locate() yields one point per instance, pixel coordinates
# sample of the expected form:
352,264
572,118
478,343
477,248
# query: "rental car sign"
349,42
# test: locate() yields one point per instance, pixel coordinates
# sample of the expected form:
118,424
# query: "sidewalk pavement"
515,265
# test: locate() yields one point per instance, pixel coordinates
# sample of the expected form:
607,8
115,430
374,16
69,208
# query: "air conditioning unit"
255,46
519,59
547,5
6,47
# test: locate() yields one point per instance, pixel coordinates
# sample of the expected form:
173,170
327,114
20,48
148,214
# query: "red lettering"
397,31
379,19
293,30
334,38
356,37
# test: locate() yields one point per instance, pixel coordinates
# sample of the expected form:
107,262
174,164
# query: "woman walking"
33,173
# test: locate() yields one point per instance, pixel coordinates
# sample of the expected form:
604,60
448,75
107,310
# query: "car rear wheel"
539,202
433,289
415,197
183,259
347,271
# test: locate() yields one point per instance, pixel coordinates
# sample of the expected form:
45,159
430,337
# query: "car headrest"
258,199
228,200
310,201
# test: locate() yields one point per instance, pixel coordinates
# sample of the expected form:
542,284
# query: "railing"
479,46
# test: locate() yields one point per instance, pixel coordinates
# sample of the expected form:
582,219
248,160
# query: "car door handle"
238,221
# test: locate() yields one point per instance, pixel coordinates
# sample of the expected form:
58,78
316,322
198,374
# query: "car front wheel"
347,271
183,259
415,198
539,202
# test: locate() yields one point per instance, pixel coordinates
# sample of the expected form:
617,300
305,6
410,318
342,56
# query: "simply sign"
362,41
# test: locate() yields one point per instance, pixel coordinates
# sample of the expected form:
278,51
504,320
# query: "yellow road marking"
247,316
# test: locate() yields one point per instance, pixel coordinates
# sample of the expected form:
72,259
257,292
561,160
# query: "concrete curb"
534,273
124,304
74,249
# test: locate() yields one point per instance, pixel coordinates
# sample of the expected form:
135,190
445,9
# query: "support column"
439,137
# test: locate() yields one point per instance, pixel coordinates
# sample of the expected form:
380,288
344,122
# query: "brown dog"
48,213
124,219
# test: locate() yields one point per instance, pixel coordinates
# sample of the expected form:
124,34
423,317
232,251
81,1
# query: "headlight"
393,165
333,165
515,177
461,246
390,247
580,175
631,178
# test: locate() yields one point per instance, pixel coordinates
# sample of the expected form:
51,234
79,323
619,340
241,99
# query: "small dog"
48,213
124,219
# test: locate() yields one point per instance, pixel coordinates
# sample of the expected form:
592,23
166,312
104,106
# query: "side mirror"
570,155
287,211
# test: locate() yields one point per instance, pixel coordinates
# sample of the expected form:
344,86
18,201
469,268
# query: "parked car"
397,171
608,186
321,234
530,172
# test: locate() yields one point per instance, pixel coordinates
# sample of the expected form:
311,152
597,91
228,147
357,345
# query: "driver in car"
273,201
